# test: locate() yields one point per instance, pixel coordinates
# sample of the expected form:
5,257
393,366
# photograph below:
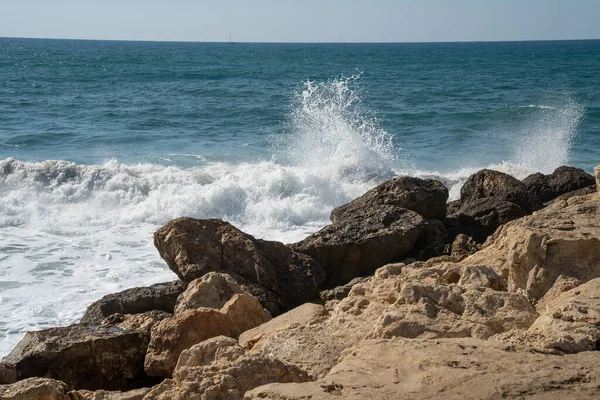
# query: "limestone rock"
363,242
563,180
193,247
35,389
597,176
173,335
440,369
8,373
218,369
305,314
161,296
426,197
212,290
463,245
532,252
87,356
341,292
136,394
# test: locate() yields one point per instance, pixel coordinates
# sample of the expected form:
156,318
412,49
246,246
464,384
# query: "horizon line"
302,42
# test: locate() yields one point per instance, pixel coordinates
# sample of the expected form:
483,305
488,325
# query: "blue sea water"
101,142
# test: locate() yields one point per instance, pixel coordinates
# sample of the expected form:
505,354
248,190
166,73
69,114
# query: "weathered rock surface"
579,192
597,176
531,253
463,245
446,369
563,180
363,242
212,290
161,296
8,373
87,357
173,335
193,247
341,292
426,197
35,389
218,369
136,394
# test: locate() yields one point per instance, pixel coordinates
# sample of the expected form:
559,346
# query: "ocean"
102,142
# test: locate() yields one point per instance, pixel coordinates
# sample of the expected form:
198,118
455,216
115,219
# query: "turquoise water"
102,142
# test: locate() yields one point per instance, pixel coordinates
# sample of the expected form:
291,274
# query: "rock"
303,315
563,180
212,290
173,335
561,285
464,245
597,176
463,368
425,197
136,394
193,247
35,389
8,373
87,356
532,252
579,192
432,242
341,292
219,369
161,296
363,242
481,276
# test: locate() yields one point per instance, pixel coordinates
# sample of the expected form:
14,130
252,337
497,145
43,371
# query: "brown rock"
439,369
426,197
563,180
464,245
35,389
193,247
8,373
161,296
341,292
86,356
363,242
173,335
597,176
136,394
218,369
212,290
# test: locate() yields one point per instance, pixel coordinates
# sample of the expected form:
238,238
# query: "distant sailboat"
230,42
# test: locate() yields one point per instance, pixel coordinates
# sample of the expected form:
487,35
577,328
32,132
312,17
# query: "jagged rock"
173,335
212,290
35,389
305,314
481,276
426,197
193,247
532,252
363,242
579,192
136,394
8,373
432,242
86,356
597,176
563,180
341,292
464,245
161,296
218,369
463,368
561,285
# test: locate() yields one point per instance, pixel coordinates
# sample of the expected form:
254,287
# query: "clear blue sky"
302,20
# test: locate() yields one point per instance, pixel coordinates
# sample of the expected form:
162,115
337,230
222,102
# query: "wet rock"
426,197
363,242
34,389
193,247
173,335
563,180
161,296
8,373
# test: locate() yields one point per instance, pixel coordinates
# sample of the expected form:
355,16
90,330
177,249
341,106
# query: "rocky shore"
403,296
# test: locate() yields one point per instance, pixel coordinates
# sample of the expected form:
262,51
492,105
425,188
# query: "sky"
302,20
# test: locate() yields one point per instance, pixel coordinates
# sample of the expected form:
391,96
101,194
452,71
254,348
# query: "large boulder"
90,357
35,389
193,247
218,369
363,242
437,369
563,180
426,197
161,296
173,335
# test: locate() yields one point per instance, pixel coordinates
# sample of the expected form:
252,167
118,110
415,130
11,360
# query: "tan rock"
445,369
218,369
532,252
136,394
306,314
597,174
173,335
35,389
212,290
561,285
8,373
